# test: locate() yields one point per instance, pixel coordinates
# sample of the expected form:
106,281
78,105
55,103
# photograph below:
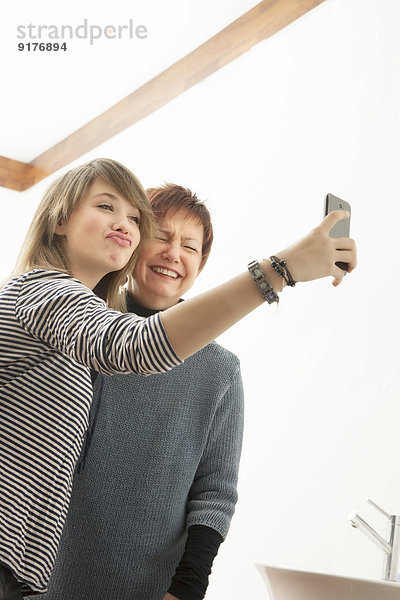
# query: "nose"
172,251
121,226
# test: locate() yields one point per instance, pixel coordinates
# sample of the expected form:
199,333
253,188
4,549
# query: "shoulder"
46,275
35,277
214,358
41,290
52,283
216,349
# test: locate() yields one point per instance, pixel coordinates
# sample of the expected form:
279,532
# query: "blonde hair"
42,248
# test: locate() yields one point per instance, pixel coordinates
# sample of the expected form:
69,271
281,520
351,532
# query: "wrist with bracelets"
280,267
265,288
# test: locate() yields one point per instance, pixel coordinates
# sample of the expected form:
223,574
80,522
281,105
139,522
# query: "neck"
149,301
135,306
88,279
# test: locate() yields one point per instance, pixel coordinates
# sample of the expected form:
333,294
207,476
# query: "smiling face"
168,265
101,234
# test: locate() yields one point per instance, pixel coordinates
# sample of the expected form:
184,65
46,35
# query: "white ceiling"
51,94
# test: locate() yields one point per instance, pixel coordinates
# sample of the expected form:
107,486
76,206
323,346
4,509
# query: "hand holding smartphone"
342,228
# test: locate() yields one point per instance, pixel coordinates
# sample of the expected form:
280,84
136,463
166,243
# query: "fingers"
338,275
334,217
346,249
346,256
344,243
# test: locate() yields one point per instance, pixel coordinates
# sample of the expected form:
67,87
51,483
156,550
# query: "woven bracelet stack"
280,267
261,281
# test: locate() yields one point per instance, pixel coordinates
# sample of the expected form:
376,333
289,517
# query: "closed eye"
160,239
190,248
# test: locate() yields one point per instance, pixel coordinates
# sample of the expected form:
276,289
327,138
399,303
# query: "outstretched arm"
66,315
195,323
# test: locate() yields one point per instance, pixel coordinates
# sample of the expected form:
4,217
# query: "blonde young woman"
53,329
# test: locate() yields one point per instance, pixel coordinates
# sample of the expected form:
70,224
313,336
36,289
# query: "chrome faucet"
390,547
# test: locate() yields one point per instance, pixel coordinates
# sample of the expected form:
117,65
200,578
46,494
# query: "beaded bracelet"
280,267
264,286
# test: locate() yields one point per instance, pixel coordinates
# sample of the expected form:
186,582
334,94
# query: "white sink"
287,584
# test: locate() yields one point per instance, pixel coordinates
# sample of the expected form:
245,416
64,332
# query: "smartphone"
342,228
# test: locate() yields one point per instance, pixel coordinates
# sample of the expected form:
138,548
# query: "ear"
60,227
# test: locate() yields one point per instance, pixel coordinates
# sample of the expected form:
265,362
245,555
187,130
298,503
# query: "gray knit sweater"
164,456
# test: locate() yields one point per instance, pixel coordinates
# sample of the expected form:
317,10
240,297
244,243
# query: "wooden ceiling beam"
19,176
259,23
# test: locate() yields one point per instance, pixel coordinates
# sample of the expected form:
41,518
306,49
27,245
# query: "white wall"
314,109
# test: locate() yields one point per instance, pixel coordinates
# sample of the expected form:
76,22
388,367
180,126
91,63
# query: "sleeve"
190,581
66,315
213,494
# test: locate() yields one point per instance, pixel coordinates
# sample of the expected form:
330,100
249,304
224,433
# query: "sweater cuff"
191,576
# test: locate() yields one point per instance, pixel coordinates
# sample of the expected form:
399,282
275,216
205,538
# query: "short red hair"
171,198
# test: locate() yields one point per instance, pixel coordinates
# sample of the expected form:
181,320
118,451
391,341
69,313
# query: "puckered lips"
165,272
120,239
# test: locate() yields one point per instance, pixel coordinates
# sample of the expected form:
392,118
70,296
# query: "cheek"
94,225
140,269
146,257
85,229
193,268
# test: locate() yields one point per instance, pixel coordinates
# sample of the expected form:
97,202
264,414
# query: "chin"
119,265
159,292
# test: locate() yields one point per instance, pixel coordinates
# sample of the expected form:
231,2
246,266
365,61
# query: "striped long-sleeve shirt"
52,330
